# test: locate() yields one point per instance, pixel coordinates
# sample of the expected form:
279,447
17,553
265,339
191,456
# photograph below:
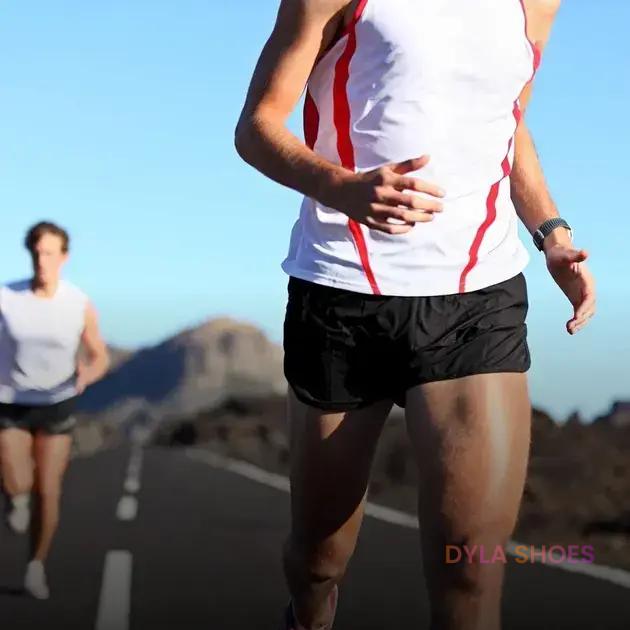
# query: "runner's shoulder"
328,8
546,8
13,287
328,5
74,291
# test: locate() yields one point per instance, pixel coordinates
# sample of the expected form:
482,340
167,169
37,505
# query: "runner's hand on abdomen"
386,194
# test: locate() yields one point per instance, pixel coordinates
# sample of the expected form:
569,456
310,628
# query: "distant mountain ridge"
118,356
195,369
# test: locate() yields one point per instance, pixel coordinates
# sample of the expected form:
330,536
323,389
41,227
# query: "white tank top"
39,340
408,78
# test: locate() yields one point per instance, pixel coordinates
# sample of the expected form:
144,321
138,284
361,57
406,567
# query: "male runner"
43,322
406,273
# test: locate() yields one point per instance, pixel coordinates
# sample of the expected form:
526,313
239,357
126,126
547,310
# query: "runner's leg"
16,471
52,454
331,457
16,460
471,437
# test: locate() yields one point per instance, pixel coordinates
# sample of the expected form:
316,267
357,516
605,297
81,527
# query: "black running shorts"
55,419
345,350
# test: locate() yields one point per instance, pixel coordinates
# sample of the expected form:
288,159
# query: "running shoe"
290,622
19,516
35,580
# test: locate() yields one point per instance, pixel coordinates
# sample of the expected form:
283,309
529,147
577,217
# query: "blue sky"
116,120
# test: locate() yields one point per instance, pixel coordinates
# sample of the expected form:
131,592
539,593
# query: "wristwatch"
547,228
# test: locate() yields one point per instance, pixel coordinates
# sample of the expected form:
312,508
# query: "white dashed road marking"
115,597
127,508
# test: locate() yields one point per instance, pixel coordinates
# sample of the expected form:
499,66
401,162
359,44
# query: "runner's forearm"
273,150
95,368
529,190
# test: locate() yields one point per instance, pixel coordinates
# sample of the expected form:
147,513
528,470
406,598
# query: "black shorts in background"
345,350
54,419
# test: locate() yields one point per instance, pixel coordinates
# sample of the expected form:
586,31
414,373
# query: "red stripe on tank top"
535,49
342,119
491,208
491,201
358,12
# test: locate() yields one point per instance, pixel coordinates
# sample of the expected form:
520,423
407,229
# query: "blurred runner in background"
46,325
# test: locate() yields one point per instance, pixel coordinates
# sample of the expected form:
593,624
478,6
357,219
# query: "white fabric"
427,77
39,340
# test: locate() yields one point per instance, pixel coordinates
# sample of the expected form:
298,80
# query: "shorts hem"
55,419
34,430
333,406
463,374
396,399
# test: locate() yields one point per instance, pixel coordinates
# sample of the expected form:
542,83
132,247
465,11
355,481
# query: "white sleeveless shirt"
408,78
39,340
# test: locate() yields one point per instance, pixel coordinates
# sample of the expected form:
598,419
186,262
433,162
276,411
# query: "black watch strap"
547,228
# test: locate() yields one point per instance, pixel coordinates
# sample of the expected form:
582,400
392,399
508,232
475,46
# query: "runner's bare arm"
98,360
303,30
533,201
530,193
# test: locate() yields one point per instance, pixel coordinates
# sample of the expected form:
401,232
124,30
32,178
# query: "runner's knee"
49,491
18,479
464,552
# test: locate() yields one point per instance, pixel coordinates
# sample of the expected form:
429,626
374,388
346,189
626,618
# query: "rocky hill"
196,369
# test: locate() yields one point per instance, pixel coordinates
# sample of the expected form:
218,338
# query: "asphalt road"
202,552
